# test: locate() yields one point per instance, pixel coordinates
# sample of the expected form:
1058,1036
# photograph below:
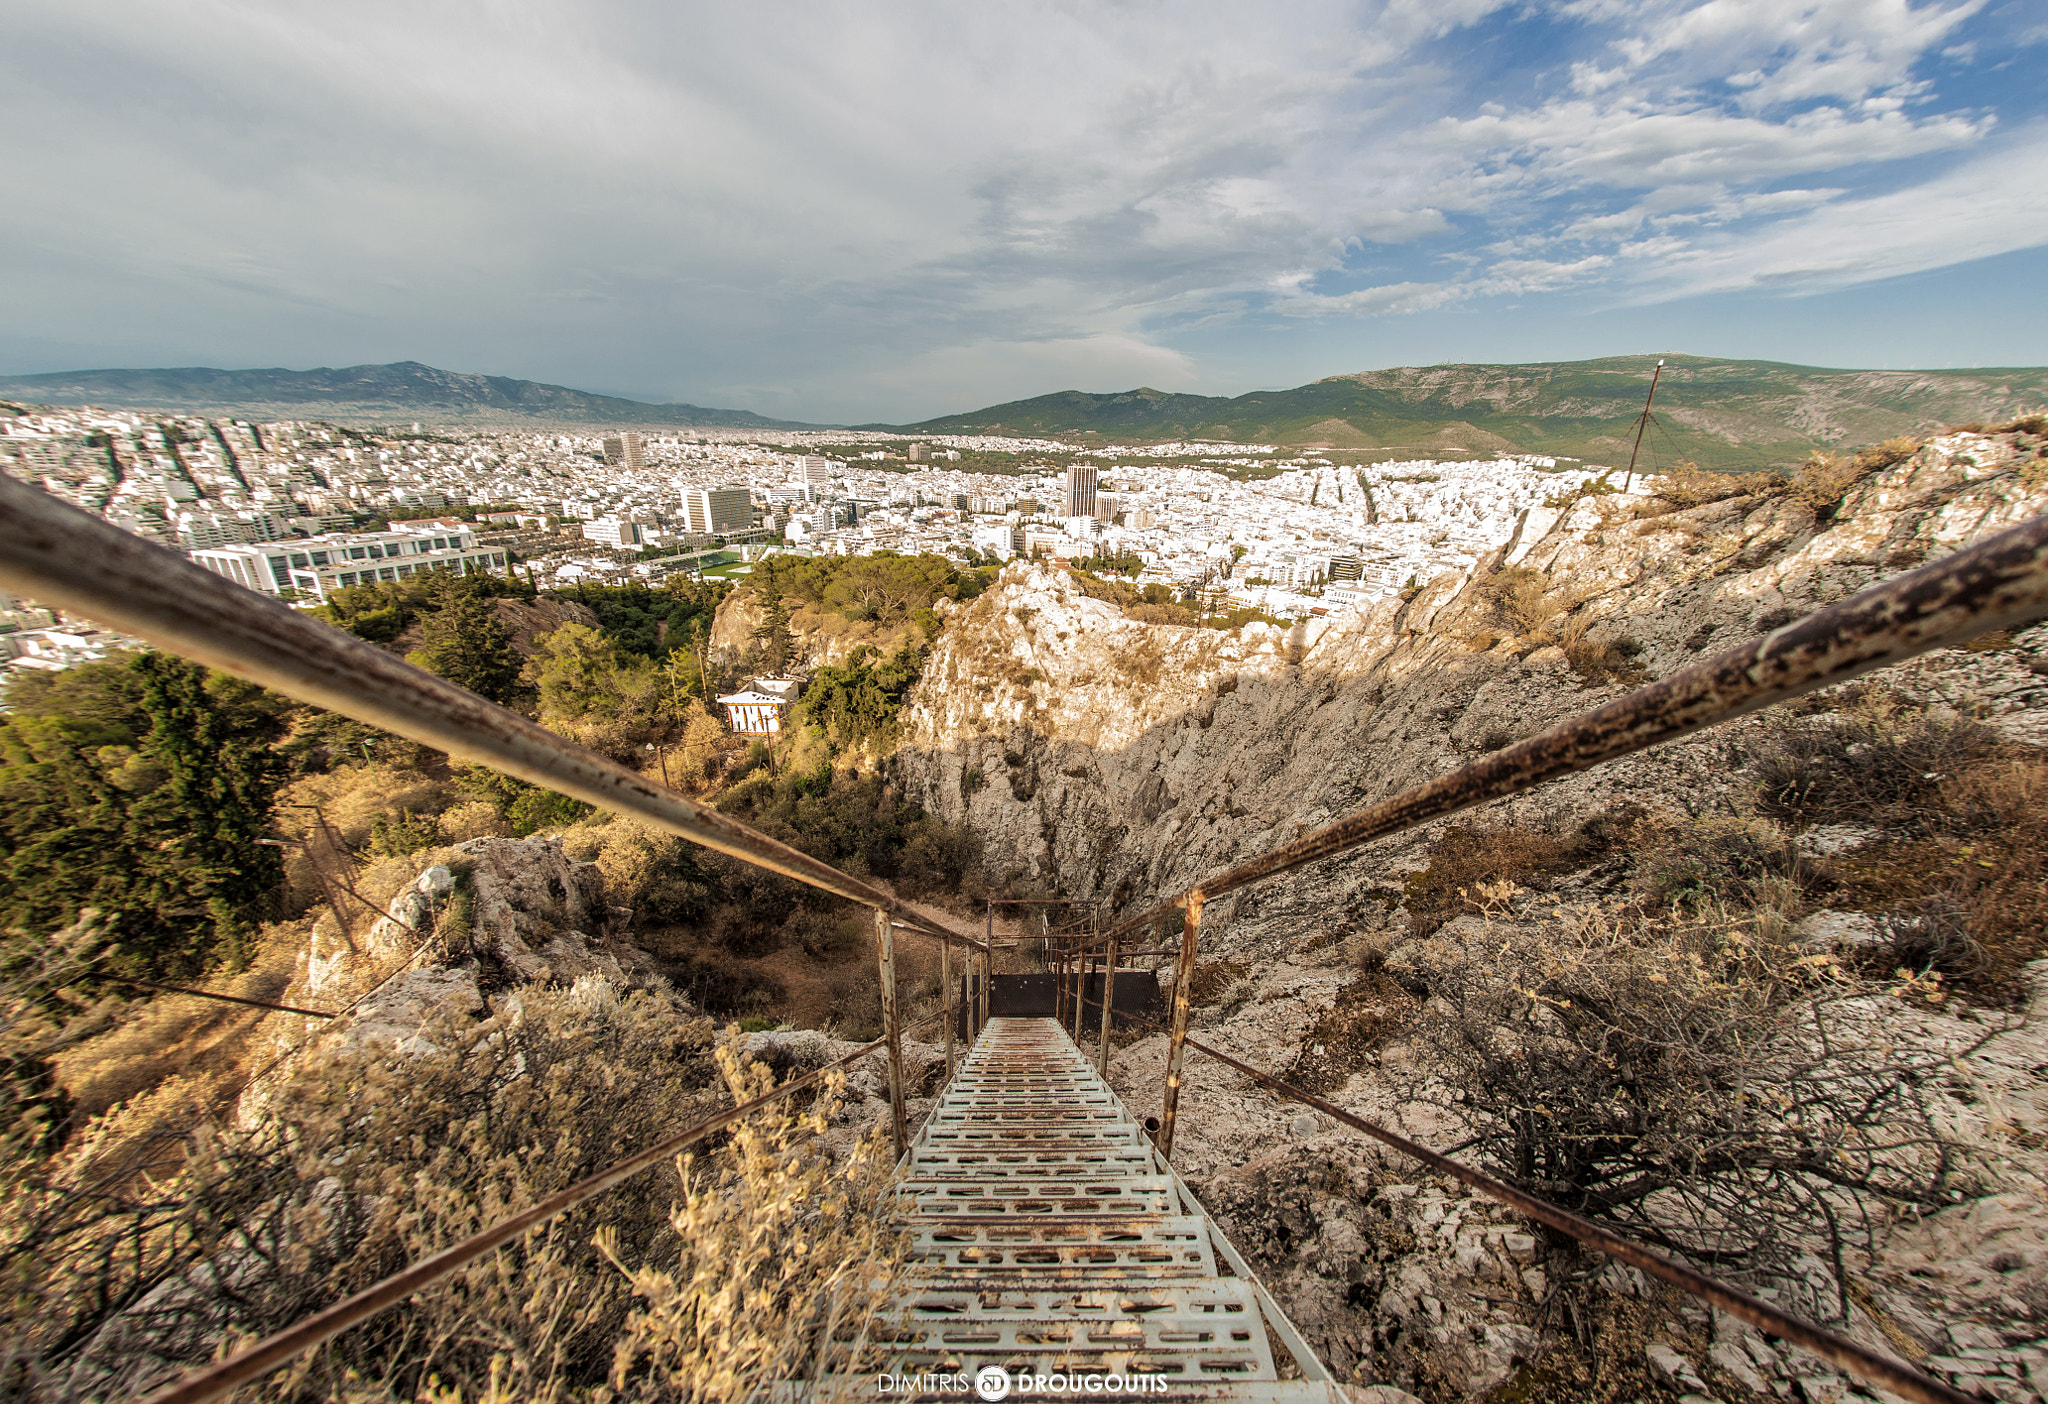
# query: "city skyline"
861,215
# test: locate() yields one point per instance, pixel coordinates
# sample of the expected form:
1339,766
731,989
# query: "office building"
1081,479
315,568
198,531
610,531
718,510
625,451
813,469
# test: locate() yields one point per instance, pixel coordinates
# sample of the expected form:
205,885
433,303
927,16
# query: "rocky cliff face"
1103,756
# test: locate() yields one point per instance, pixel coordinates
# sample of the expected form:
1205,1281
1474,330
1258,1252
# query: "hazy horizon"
844,214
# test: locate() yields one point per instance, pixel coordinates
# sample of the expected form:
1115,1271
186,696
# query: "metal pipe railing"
1997,583
58,554
268,1354
1866,1364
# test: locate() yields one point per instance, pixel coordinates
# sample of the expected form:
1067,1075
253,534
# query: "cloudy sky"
884,210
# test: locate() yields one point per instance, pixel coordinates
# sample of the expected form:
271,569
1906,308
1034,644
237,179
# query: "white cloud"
785,202
1991,205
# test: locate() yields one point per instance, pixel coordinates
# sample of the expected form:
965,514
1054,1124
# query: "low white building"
318,566
759,708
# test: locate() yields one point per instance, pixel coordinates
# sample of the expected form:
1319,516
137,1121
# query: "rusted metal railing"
254,1361
56,553
1837,1350
1997,583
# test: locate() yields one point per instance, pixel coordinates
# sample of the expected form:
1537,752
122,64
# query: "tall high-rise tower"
1080,490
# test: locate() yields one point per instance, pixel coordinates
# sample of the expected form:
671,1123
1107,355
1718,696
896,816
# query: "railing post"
1081,962
892,1029
946,984
1177,1044
1108,1001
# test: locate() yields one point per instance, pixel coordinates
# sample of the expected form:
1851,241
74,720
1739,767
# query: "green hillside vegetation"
1722,415
401,389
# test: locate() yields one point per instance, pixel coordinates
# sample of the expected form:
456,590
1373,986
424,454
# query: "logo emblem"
992,1382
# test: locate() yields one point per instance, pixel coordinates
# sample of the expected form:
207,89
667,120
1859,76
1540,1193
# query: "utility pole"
1642,423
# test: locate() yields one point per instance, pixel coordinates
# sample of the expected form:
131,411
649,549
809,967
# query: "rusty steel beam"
1108,1004
946,998
1177,1037
1865,1364
223,998
1998,583
254,1361
53,552
892,1030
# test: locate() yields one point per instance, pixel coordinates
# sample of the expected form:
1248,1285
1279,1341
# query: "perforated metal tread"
1048,1235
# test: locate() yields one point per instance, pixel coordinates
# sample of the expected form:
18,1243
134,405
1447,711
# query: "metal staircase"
1051,1238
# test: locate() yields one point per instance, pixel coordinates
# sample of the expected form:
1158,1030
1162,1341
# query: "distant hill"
1721,414
404,389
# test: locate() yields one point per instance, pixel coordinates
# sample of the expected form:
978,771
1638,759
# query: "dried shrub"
1520,597
1721,863
1213,979
1162,614
1888,454
1689,485
784,1262
1367,1014
1821,482
1465,859
1699,1085
128,1258
1599,660
1867,766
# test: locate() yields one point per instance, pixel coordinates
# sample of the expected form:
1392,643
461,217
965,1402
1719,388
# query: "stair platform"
1050,1238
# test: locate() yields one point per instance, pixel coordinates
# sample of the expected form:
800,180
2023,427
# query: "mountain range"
404,388
1719,413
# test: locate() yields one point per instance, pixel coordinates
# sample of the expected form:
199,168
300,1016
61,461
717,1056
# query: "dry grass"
1214,979
1471,867
1697,1080
704,1283
1688,485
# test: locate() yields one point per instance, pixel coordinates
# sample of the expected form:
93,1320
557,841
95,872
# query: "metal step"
1048,1236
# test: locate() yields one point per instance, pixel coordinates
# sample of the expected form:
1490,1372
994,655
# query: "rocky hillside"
401,390
1724,414
1858,876
1108,756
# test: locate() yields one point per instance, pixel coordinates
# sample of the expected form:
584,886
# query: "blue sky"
851,211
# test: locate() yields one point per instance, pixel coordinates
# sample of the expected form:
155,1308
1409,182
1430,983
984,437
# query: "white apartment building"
718,511
199,530
315,568
1004,539
610,531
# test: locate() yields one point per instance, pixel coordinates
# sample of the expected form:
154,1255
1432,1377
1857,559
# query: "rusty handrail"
1866,1364
1997,583
55,552
212,1381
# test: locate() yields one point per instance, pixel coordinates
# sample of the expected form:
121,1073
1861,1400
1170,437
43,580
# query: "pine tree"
773,634
192,838
463,641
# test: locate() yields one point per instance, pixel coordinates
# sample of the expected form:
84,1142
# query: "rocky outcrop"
822,638
1103,756
484,916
